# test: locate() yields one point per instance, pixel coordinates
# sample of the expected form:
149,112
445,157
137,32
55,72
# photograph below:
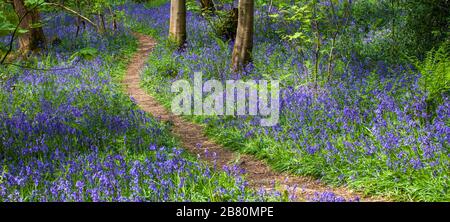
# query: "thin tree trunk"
100,23
102,19
114,22
331,58
78,23
317,55
113,15
177,31
35,38
244,38
270,7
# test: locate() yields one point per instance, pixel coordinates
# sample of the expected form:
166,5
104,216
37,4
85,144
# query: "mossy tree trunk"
34,39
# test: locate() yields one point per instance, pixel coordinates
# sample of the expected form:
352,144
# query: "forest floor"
192,137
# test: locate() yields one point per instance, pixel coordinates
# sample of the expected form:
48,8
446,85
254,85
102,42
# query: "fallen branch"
74,12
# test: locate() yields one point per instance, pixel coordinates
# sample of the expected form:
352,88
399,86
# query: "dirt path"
258,173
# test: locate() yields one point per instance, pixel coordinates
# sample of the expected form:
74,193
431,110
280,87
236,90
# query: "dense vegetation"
364,101
373,126
69,133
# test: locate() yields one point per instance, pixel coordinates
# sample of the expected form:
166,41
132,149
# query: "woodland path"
258,173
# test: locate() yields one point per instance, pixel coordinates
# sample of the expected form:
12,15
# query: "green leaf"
32,3
295,36
274,15
86,53
36,25
222,44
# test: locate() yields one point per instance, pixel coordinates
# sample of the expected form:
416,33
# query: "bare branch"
73,12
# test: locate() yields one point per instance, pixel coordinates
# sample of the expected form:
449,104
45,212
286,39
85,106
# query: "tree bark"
177,31
35,38
243,45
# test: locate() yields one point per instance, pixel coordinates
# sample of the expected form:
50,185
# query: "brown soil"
258,173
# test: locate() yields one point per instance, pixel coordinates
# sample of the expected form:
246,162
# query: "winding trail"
258,173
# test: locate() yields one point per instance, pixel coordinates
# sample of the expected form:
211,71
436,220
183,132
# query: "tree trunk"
100,23
177,31
243,46
113,15
102,19
207,6
77,22
34,39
